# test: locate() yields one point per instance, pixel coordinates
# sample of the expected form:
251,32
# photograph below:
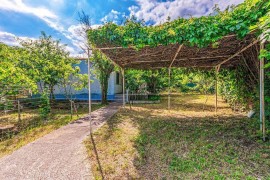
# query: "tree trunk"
104,90
52,97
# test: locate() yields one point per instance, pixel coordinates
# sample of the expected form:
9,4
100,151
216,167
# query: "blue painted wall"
113,88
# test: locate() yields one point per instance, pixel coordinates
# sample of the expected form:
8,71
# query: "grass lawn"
57,119
150,142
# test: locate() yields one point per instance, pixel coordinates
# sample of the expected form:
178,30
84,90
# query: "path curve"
57,155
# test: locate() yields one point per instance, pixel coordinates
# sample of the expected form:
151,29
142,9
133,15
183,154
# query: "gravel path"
58,155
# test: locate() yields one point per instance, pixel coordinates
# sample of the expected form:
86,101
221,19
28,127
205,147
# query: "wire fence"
19,114
143,98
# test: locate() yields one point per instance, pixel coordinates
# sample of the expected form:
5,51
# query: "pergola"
228,52
229,48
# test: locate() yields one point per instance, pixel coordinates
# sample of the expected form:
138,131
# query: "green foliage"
182,80
134,79
203,81
154,97
6,104
235,89
194,31
265,37
12,73
103,69
44,61
47,61
155,80
45,107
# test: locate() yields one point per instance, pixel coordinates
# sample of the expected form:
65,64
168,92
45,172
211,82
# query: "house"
114,86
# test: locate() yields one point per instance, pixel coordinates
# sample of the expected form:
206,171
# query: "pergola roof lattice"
227,53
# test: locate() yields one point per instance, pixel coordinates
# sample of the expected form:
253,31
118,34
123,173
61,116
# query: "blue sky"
59,18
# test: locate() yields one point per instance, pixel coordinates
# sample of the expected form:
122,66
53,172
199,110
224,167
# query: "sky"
59,18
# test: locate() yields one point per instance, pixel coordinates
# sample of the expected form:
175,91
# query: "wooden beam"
216,88
245,62
239,52
116,64
160,67
199,58
123,84
169,90
262,107
108,48
218,68
169,93
177,52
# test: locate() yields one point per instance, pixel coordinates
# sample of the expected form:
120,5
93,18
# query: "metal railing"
140,98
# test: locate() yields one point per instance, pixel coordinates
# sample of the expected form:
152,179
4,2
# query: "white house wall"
95,85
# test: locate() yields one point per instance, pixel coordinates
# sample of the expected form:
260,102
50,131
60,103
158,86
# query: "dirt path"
58,155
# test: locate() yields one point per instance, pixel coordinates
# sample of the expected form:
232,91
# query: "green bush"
154,97
45,107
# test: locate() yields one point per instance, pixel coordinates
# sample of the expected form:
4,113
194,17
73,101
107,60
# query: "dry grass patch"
115,145
57,119
150,142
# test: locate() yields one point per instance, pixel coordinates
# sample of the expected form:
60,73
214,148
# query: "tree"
134,80
103,68
48,62
13,75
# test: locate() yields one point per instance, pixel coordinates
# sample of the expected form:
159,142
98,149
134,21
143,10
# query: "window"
117,78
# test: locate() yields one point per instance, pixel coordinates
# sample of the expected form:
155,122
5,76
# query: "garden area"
192,99
151,142
190,133
27,125
29,75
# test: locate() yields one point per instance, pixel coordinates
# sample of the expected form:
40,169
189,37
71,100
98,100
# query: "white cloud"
46,15
8,38
76,34
113,16
43,13
224,4
72,51
11,39
157,12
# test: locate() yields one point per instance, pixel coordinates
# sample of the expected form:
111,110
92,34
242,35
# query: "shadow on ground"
151,142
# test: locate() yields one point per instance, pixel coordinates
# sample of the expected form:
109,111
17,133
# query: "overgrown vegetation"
56,119
103,68
240,89
200,31
12,73
44,62
47,62
182,80
152,143
45,107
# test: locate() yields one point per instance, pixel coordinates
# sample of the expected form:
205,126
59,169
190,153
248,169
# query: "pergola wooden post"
216,87
262,108
89,89
169,91
169,81
123,84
